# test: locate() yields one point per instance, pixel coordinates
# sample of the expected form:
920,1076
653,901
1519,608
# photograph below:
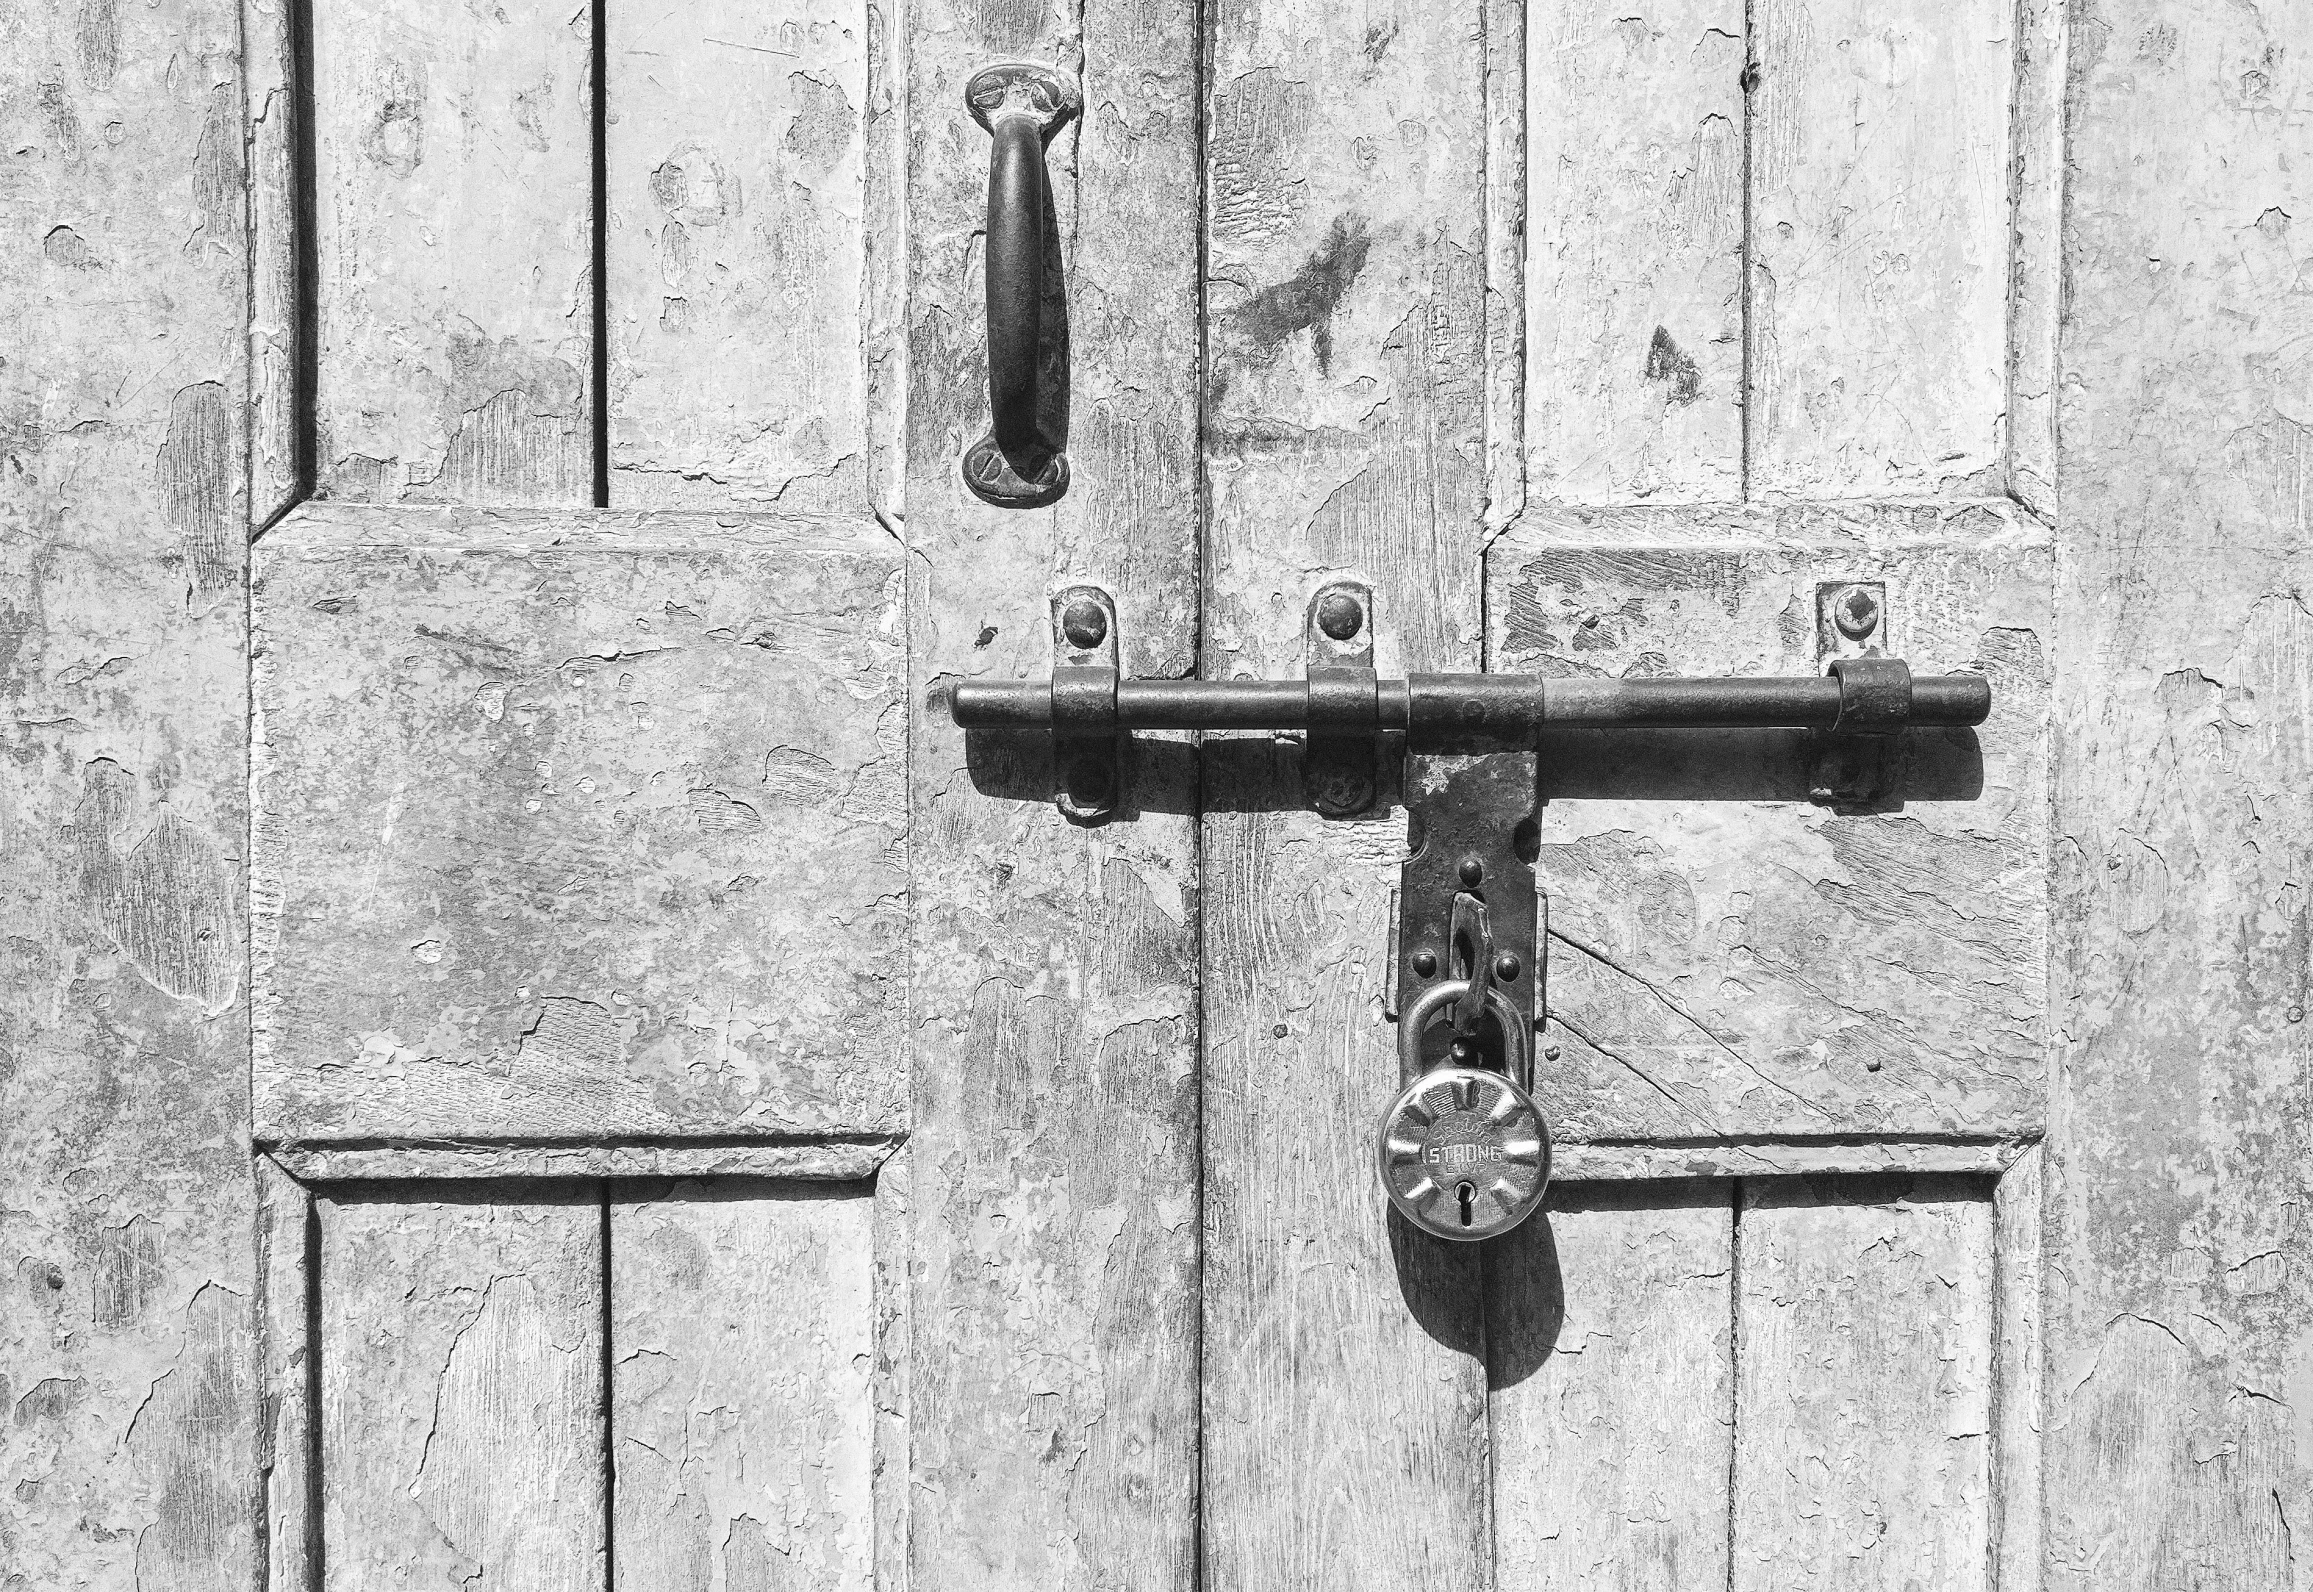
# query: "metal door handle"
1022,104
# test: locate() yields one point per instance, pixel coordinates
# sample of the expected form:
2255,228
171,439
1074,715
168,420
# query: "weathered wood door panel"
1738,285
535,1055
578,825
572,1384
1796,1372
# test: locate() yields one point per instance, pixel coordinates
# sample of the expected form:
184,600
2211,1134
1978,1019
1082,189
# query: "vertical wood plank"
891,1238
2018,1379
286,1232
2036,265
2180,1374
1053,1437
741,1416
1879,246
1608,1349
885,291
1863,1341
127,1338
269,36
1505,25
737,253
453,156
461,1386
1344,1391
1634,262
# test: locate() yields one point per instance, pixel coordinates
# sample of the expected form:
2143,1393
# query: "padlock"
1464,1152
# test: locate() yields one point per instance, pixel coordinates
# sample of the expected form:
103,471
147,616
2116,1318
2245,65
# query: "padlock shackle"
1437,1000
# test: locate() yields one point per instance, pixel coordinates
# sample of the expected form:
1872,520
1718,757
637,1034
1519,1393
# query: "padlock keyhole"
1469,1197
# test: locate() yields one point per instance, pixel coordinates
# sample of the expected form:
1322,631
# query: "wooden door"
536,1057
1618,345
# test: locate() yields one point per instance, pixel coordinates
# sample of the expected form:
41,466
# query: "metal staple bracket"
1087,750
1341,757
1854,760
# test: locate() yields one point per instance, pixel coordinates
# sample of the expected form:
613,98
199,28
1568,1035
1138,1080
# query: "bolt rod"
1479,709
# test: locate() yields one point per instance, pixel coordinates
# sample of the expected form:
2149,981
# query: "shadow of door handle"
1022,104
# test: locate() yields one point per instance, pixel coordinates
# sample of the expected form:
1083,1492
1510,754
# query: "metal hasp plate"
1468,910
1463,1152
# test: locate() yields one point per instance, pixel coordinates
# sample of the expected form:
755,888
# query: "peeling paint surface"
1880,246
2180,1419
740,1401
572,827
128,1408
1727,959
1637,242
452,235
460,1341
1863,1415
1344,432
1052,1282
1610,1357
738,248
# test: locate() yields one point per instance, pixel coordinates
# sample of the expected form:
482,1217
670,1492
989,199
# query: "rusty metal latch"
1463,1151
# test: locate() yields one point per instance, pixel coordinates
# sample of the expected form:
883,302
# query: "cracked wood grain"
1344,1396
1879,248
842,1160
271,108
1728,959
128,1359
1506,254
1864,1331
2019,1375
888,1374
2179,1445
1052,1436
2036,284
287,1235
1634,196
461,1386
739,203
1791,251
742,1420
1610,1359
578,825
453,155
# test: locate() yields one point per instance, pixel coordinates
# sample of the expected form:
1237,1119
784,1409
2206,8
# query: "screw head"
1856,613
1343,793
1473,871
1507,967
1425,962
1091,782
1084,622
1340,615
